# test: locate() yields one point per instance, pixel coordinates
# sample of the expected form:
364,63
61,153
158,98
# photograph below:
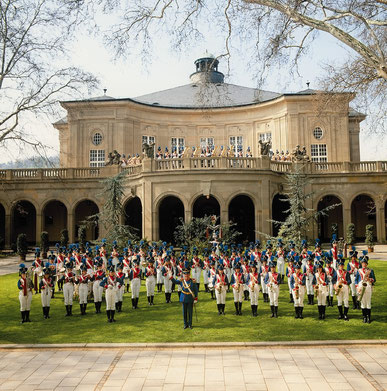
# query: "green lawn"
163,322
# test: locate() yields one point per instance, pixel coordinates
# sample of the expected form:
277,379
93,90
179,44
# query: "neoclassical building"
205,112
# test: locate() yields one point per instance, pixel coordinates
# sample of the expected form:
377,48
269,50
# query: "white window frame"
99,134
318,129
264,136
148,139
178,142
319,153
207,142
236,141
97,157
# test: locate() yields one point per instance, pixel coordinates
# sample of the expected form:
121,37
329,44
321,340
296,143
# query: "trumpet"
296,287
364,284
339,286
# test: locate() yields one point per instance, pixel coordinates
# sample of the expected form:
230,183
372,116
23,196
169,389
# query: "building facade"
207,112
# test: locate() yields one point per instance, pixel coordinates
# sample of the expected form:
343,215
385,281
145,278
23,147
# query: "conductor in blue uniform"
188,296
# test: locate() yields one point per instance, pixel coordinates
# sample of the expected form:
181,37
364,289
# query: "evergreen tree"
300,218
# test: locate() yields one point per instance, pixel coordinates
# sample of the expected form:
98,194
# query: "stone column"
380,224
8,230
71,227
223,216
39,226
346,218
149,218
187,214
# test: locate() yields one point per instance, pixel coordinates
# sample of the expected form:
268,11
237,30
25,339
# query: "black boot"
127,288
312,299
272,311
23,316
81,307
323,311
149,300
365,315
120,306
166,298
369,315
358,305
236,308
331,301
206,288
48,312
67,310
301,311
276,311
133,306
152,297
71,310
198,285
252,310
137,302
99,306
219,309
116,305
341,316
108,315
297,315
112,312
223,308
354,303
28,316
291,298
96,307
44,312
346,313
319,312
240,308
212,294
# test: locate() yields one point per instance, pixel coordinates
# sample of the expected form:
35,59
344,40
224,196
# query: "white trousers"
205,276
263,286
281,266
136,283
273,295
25,301
110,297
343,296
221,297
238,294
68,293
353,286
83,292
150,284
309,284
46,297
322,295
167,285
300,301
254,293
97,291
120,293
160,277
366,300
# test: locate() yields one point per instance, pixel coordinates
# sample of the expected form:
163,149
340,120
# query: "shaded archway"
82,213
330,217
385,218
242,212
171,209
279,207
24,221
206,206
2,226
133,215
363,212
54,219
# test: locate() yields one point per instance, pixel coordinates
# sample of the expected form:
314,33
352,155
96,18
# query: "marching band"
87,275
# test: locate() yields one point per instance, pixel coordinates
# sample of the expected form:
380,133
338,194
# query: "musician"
206,268
135,278
52,271
264,269
304,253
25,286
102,253
289,271
188,297
97,278
167,273
272,282
121,287
220,283
159,274
308,270
60,263
115,255
83,283
331,273
280,254
317,252
352,268
253,285
237,281
197,266
110,284
211,275
37,266
45,287
68,279
150,283
245,272
127,264
297,283
334,251
341,283
178,274
321,287
365,280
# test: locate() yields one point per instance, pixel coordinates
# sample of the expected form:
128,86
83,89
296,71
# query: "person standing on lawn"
68,288
110,283
341,283
297,283
272,281
25,286
188,297
46,285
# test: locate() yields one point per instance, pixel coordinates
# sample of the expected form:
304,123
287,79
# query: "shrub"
44,244
22,246
64,237
350,233
369,235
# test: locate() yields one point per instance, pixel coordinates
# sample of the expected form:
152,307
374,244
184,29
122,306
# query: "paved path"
193,369
10,264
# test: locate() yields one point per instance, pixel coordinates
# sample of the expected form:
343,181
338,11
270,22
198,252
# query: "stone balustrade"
193,164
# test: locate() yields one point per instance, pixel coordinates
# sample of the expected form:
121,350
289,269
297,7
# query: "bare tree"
33,38
272,32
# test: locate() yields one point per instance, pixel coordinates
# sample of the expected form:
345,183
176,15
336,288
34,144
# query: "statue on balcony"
148,150
114,158
300,155
265,147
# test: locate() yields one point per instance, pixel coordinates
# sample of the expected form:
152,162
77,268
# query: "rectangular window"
97,157
207,142
148,139
178,142
264,136
237,142
318,152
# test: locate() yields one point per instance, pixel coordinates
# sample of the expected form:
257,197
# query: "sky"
165,68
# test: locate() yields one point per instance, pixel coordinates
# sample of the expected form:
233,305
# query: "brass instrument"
296,287
364,284
339,286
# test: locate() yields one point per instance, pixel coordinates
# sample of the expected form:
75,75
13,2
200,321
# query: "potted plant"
351,234
369,237
44,244
82,237
64,237
22,246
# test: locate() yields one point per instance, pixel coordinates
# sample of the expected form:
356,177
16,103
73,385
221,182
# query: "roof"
62,121
354,113
103,97
207,95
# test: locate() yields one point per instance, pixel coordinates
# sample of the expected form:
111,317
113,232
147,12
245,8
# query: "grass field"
163,322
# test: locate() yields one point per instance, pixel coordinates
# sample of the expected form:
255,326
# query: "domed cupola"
207,70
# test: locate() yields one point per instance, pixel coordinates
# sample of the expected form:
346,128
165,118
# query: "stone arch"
363,212
2,225
170,210
256,200
205,206
241,210
333,216
278,211
54,214
24,220
133,214
82,210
